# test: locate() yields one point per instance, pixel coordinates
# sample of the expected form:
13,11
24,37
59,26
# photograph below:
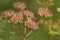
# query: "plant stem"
38,1
17,30
16,27
8,31
50,37
24,38
24,31
24,34
29,34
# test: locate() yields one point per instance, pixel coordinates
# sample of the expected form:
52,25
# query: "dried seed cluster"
17,17
8,13
31,24
44,12
19,5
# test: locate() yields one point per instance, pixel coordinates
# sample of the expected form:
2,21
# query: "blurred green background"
33,6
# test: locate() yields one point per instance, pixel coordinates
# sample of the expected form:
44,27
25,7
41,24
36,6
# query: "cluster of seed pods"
44,12
17,17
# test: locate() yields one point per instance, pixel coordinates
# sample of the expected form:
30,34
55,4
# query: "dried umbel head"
17,18
19,5
44,12
31,24
8,13
28,13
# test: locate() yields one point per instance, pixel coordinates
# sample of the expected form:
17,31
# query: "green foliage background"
33,6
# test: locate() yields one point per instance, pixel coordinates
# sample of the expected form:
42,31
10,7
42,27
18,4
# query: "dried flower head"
8,13
19,5
44,12
31,24
28,13
17,18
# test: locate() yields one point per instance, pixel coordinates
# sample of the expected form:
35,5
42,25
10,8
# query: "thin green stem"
38,1
24,31
50,37
29,34
16,28
24,34
9,31
24,38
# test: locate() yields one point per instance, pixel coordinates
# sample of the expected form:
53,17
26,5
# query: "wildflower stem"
9,31
16,27
18,30
29,34
38,2
25,31
50,37
24,38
